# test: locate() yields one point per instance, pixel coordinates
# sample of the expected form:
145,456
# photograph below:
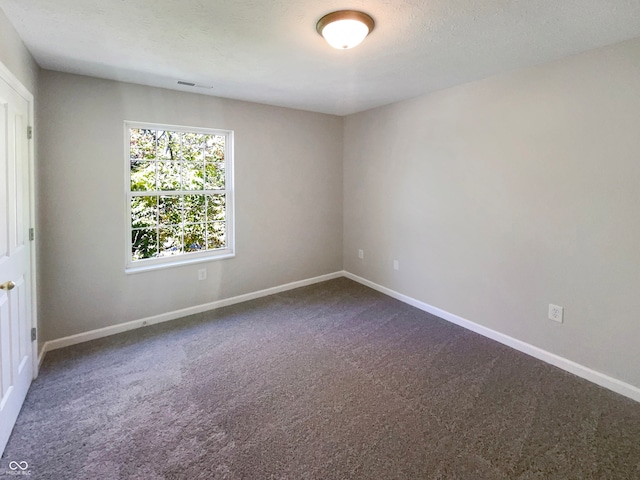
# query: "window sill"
176,263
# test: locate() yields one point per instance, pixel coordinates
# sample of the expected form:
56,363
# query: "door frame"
17,85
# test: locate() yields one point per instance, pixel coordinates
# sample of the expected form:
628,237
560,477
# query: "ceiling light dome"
345,29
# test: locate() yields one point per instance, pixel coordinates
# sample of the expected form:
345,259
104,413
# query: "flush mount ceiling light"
345,29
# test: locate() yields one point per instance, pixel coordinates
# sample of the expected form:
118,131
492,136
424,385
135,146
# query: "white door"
16,350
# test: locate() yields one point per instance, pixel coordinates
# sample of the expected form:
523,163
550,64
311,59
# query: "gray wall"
288,181
504,195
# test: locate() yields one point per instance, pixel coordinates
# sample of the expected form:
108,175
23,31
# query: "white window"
179,195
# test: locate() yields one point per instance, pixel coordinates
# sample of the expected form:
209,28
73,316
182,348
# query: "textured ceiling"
269,51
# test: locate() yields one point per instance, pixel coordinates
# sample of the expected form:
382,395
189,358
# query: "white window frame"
134,266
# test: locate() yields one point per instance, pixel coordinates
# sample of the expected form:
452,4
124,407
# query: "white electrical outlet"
360,254
396,265
202,274
556,313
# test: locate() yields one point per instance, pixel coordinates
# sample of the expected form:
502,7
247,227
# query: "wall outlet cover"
556,313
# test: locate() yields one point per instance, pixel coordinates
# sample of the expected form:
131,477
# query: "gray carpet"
331,381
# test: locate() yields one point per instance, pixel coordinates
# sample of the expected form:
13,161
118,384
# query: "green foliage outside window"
178,203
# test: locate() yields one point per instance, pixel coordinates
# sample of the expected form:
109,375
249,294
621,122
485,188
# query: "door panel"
18,306
5,345
4,198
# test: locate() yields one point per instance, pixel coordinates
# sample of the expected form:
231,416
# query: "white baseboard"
589,374
593,376
165,317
